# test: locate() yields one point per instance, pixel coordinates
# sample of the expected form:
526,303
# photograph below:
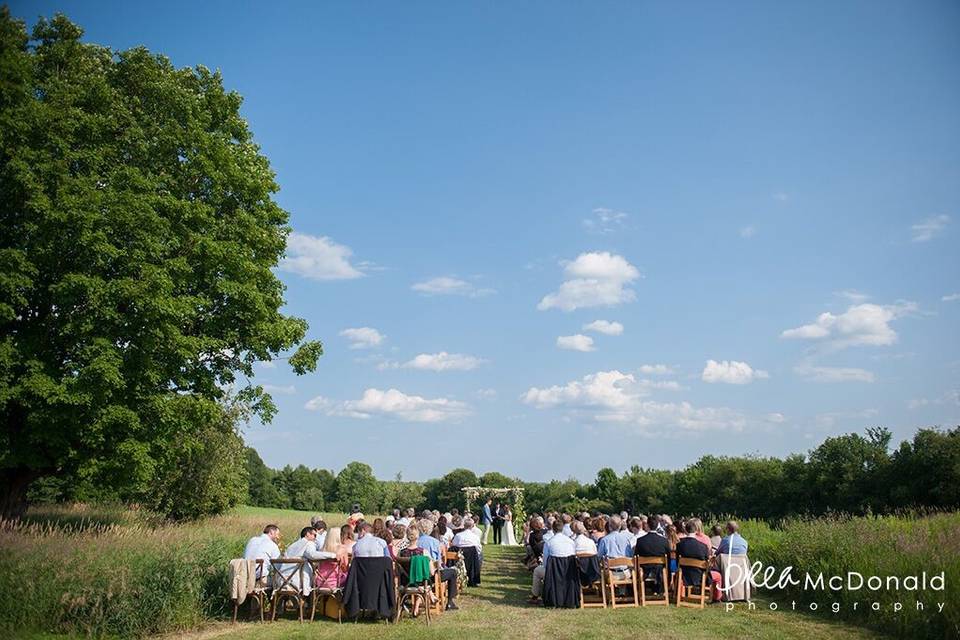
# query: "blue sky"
772,187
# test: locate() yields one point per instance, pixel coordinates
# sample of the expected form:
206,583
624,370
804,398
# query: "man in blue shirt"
487,520
369,545
431,547
617,543
734,544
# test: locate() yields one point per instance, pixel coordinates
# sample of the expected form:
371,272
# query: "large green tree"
137,235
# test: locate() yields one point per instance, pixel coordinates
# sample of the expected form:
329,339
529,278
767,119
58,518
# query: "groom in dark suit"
497,522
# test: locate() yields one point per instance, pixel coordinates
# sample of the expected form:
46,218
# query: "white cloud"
444,361
953,297
615,397
748,231
731,372
605,220
316,404
605,327
267,364
288,390
655,369
363,337
951,397
485,394
854,296
862,324
577,342
928,229
834,374
318,258
776,418
450,286
780,196
396,404
594,279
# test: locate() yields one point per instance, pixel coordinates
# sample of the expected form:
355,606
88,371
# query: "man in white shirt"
469,537
369,545
263,547
558,546
305,548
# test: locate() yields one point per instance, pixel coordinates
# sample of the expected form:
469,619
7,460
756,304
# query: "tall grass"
97,572
882,546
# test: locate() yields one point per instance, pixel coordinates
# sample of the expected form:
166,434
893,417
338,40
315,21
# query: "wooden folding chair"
440,594
259,593
410,592
684,597
288,574
593,594
641,564
614,582
324,595
452,560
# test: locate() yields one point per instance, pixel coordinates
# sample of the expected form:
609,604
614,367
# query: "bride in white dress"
507,536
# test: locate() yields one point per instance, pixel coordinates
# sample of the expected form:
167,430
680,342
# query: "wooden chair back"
658,563
616,582
684,597
284,571
594,594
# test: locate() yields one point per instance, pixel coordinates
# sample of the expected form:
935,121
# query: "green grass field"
82,571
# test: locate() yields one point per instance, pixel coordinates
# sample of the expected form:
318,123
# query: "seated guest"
567,519
369,545
387,536
469,542
347,538
321,528
445,535
699,533
734,543
690,547
378,526
558,546
651,545
548,531
456,524
306,548
716,535
635,527
412,548
673,540
598,528
582,542
263,547
332,568
617,543
535,539
431,547
399,539
469,537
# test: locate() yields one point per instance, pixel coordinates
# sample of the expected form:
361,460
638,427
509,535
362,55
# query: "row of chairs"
287,585
617,588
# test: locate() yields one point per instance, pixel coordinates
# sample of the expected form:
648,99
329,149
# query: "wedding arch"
512,495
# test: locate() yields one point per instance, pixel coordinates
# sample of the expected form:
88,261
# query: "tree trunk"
13,491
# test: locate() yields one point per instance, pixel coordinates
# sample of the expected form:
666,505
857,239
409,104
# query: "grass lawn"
498,609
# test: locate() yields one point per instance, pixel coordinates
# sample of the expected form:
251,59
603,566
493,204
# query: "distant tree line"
850,473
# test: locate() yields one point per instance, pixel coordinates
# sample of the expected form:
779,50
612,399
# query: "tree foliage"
137,235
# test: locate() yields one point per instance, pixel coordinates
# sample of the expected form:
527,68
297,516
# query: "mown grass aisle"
498,609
